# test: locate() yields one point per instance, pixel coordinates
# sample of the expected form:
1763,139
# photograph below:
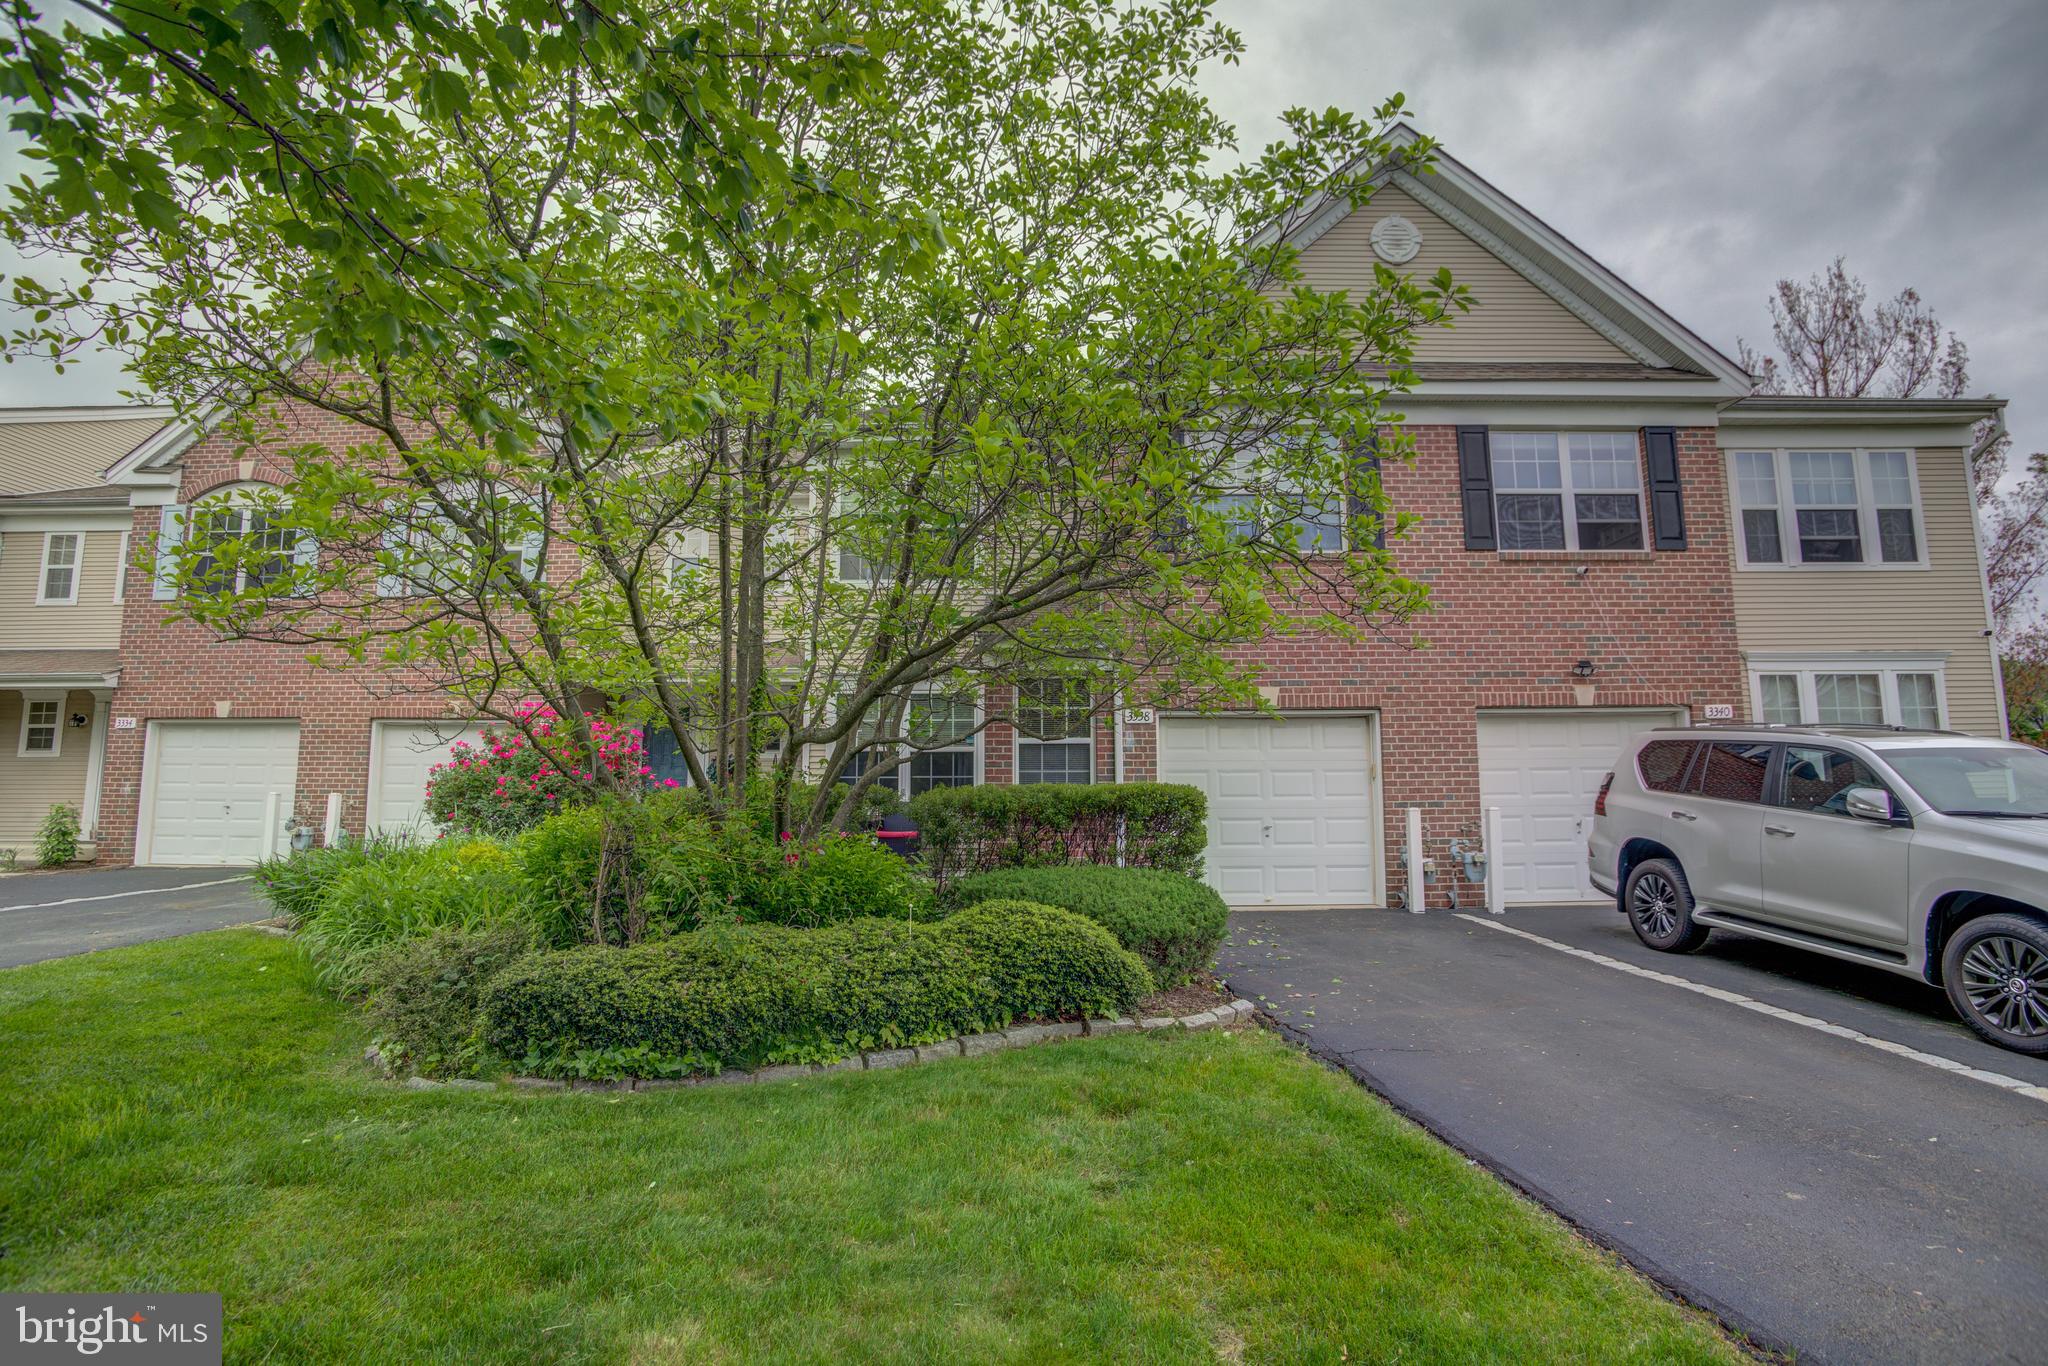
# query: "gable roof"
43,450
1548,260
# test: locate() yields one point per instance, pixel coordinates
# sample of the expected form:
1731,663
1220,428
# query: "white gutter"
1996,434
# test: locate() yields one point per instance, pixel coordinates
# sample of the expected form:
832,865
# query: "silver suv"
1920,852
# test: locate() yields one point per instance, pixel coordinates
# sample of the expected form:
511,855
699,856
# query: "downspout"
1116,740
1992,437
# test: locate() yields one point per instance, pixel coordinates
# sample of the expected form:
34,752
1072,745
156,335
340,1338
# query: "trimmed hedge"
966,830
1170,920
743,997
423,994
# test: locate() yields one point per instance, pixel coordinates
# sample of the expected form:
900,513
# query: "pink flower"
670,782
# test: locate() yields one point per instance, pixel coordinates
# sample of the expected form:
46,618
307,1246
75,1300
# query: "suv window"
1732,771
1817,779
1662,764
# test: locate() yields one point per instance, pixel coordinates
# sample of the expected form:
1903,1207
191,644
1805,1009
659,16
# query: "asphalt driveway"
54,915
1814,1150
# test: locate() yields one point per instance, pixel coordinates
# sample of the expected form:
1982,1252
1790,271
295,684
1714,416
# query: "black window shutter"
1369,459
1667,501
1475,483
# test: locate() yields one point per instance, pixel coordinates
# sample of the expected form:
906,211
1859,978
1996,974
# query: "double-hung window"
1568,491
1258,502
228,523
1055,730
1851,693
944,729
42,727
1827,507
57,585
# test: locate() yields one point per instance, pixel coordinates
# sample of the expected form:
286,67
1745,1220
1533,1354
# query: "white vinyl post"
1496,899
1418,885
271,803
330,835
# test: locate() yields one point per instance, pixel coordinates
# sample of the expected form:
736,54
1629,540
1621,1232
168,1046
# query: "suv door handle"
1683,816
1779,830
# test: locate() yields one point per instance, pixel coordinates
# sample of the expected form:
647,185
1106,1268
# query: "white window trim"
56,749
77,567
1887,670
1019,740
1568,504
1866,511
899,776
121,571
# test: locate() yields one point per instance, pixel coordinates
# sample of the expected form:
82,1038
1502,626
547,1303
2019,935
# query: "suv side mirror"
1869,803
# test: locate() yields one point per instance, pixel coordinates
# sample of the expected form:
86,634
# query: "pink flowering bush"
507,782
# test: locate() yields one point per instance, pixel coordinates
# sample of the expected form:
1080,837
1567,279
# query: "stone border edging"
964,1046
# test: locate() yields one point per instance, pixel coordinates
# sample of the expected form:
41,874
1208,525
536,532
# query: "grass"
193,1115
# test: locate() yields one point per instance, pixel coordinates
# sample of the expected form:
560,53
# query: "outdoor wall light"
1583,669
78,720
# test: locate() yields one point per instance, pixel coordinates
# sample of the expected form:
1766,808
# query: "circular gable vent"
1395,240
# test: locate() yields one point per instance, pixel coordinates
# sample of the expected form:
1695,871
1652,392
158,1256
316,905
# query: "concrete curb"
970,1046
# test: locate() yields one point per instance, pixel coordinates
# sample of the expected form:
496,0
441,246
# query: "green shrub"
422,995
57,839
843,877
966,830
1171,921
295,883
1048,963
406,895
741,995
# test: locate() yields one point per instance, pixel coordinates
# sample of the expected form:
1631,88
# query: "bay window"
1569,491
1827,507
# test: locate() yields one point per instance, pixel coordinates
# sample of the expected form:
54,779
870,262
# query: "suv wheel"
1996,972
1659,907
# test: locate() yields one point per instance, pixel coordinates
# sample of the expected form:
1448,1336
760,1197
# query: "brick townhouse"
1614,536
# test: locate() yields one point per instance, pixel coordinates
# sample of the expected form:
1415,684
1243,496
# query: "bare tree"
1836,345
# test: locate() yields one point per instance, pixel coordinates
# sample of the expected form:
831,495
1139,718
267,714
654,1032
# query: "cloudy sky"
1703,151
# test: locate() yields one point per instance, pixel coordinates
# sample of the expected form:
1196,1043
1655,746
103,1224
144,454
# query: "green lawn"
193,1115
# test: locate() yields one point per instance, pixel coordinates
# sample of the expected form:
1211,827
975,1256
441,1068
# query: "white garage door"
1291,811
210,788
401,752
1543,770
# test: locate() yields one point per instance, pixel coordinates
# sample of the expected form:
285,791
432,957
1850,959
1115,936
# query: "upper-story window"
1568,491
1827,507
58,583
229,522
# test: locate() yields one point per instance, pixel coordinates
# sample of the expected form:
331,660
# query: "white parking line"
1736,998
110,896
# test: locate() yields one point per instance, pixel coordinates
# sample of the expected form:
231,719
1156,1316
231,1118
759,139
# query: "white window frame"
1020,741
533,557
1567,493
1888,670
121,571
899,776
1866,510
77,568
29,702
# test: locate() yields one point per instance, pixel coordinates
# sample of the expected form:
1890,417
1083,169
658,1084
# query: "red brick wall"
1504,630
176,670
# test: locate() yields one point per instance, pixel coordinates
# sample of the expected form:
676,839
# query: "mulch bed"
1197,996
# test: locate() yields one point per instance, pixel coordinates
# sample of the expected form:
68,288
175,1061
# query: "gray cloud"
1705,151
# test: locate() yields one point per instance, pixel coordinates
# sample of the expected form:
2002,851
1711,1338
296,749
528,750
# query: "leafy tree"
786,372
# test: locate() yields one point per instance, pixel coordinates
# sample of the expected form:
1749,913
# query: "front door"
1826,871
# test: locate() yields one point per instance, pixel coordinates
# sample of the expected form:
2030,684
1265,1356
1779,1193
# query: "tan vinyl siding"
1511,319
70,454
28,787
91,623
1935,609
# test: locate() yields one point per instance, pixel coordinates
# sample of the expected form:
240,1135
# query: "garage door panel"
1543,770
403,755
1291,808
211,789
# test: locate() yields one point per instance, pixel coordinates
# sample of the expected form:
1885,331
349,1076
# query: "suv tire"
1996,973
1658,904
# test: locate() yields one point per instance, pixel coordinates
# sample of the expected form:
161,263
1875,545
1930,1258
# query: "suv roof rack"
1812,727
